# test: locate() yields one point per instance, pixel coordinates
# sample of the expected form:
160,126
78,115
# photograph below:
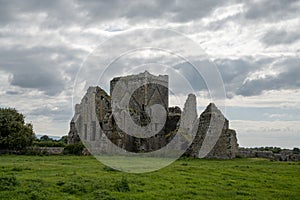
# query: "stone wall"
35,150
214,123
96,125
47,150
284,155
153,90
92,116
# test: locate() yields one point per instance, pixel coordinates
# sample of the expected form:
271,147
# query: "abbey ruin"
95,122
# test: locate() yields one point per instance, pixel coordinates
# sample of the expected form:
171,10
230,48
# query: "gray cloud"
38,78
35,68
236,74
136,11
56,12
275,37
265,12
59,113
235,71
13,92
176,11
64,12
288,78
272,10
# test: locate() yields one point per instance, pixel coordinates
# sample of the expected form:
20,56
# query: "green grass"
83,177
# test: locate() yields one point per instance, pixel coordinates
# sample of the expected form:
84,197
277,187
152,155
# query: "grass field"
83,177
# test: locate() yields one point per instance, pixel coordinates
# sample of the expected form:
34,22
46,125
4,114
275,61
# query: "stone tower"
143,90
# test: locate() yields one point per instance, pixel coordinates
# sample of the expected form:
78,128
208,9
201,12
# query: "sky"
255,46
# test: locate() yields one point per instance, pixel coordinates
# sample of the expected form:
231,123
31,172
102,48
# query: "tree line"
17,135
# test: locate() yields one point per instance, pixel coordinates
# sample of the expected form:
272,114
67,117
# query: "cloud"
58,113
262,113
44,42
44,80
271,10
287,73
235,71
43,68
13,92
245,76
55,13
62,12
283,134
276,37
136,11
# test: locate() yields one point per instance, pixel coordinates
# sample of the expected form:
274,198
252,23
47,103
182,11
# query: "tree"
45,138
14,133
64,139
75,149
296,150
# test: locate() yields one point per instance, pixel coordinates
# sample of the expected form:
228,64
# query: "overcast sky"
254,44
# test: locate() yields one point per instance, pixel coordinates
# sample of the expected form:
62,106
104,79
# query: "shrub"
75,149
276,150
48,144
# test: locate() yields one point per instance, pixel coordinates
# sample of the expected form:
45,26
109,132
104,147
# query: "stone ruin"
282,155
226,146
94,122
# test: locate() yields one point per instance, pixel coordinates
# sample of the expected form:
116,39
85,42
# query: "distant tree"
64,139
75,149
276,150
45,138
14,133
296,150
46,141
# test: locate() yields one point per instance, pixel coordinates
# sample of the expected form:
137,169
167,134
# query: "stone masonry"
94,122
226,146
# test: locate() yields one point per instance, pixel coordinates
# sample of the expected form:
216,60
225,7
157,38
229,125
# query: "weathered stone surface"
214,126
47,150
283,155
181,138
139,94
246,153
94,122
73,136
152,90
264,154
295,157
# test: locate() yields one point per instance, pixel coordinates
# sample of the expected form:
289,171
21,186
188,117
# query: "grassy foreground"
83,177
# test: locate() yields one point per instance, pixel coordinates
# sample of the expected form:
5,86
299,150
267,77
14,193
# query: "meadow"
83,177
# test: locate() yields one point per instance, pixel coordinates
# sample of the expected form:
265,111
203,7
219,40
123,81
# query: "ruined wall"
95,123
283,155
226,146
89,115
154,89
144,91
73,136
47,150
